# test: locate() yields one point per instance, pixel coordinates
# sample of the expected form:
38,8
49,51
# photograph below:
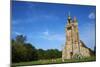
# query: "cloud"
46,33
48,36
91,15
19,21
58,37
17,33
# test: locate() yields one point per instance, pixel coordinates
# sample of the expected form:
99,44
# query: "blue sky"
44,23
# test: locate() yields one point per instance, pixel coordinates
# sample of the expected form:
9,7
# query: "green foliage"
18,53
53,53
20,39
41,54
31,52
49,54
22,51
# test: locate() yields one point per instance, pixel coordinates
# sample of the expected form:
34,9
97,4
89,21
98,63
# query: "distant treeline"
22,51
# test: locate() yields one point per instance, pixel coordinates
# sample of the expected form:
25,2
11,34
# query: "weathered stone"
74,48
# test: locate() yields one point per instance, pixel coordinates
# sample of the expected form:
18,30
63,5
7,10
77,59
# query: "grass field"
57,61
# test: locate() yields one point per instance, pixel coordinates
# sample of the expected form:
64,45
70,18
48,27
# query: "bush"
77,56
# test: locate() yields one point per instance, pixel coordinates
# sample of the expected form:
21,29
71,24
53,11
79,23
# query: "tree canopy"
22,51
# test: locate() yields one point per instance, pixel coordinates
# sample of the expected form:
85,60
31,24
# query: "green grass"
88,59
58,61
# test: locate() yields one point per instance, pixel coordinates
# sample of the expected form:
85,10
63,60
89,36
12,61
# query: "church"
74,47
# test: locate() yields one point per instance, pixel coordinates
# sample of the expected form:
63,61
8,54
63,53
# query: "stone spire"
69,18
75,19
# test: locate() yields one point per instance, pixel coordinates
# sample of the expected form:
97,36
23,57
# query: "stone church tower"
73,46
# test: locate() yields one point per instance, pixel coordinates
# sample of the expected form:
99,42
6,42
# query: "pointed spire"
69,15
69,18
75,19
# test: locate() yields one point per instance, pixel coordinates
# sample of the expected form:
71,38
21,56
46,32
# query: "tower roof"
69,18
75,18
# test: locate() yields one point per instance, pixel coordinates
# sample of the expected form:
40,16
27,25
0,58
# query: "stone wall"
73,45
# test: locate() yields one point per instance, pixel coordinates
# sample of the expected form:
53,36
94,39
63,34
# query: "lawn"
56,61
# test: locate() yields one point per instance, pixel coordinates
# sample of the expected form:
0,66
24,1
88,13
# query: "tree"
31,52
53,53
41,54
22,51
18,53
20,39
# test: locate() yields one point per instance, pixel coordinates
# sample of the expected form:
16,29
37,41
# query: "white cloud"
17,33
92,15
47,35
58,37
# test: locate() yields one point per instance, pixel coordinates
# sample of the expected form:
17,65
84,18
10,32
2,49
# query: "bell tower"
72,38
69,38
74,48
